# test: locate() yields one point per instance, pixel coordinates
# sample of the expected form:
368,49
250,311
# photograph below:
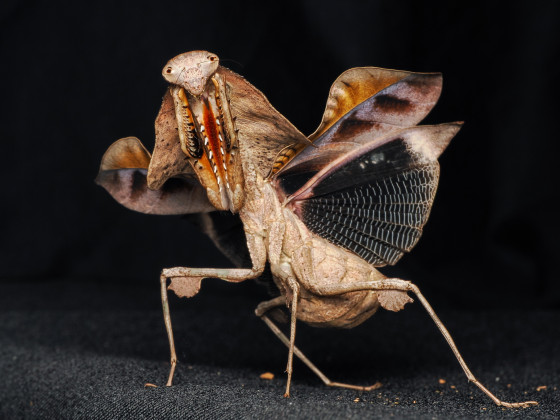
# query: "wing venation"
378,220
369,182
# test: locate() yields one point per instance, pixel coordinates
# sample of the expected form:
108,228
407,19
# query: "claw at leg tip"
376,385
525,404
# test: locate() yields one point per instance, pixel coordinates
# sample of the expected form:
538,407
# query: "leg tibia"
185,282
261,311
406,286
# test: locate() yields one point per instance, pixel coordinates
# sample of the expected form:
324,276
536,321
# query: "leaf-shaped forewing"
128,152
400,104
123,173
353,87
375,200
177,196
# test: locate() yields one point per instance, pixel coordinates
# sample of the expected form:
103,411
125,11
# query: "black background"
76,76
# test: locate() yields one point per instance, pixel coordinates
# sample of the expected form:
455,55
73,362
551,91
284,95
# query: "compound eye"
169,70
212,58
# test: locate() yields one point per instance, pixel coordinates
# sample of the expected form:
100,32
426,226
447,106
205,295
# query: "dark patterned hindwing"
378,220
375,200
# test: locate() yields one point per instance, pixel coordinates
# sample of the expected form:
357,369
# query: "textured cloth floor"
85,350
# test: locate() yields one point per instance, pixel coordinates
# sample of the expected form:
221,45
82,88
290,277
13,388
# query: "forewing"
123,171
125,153
397,100
375,200
352,88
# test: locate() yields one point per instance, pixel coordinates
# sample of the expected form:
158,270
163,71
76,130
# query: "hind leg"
406,286
262,311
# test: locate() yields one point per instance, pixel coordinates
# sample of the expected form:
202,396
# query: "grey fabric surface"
85,350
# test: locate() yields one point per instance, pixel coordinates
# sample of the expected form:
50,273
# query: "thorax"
295,253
